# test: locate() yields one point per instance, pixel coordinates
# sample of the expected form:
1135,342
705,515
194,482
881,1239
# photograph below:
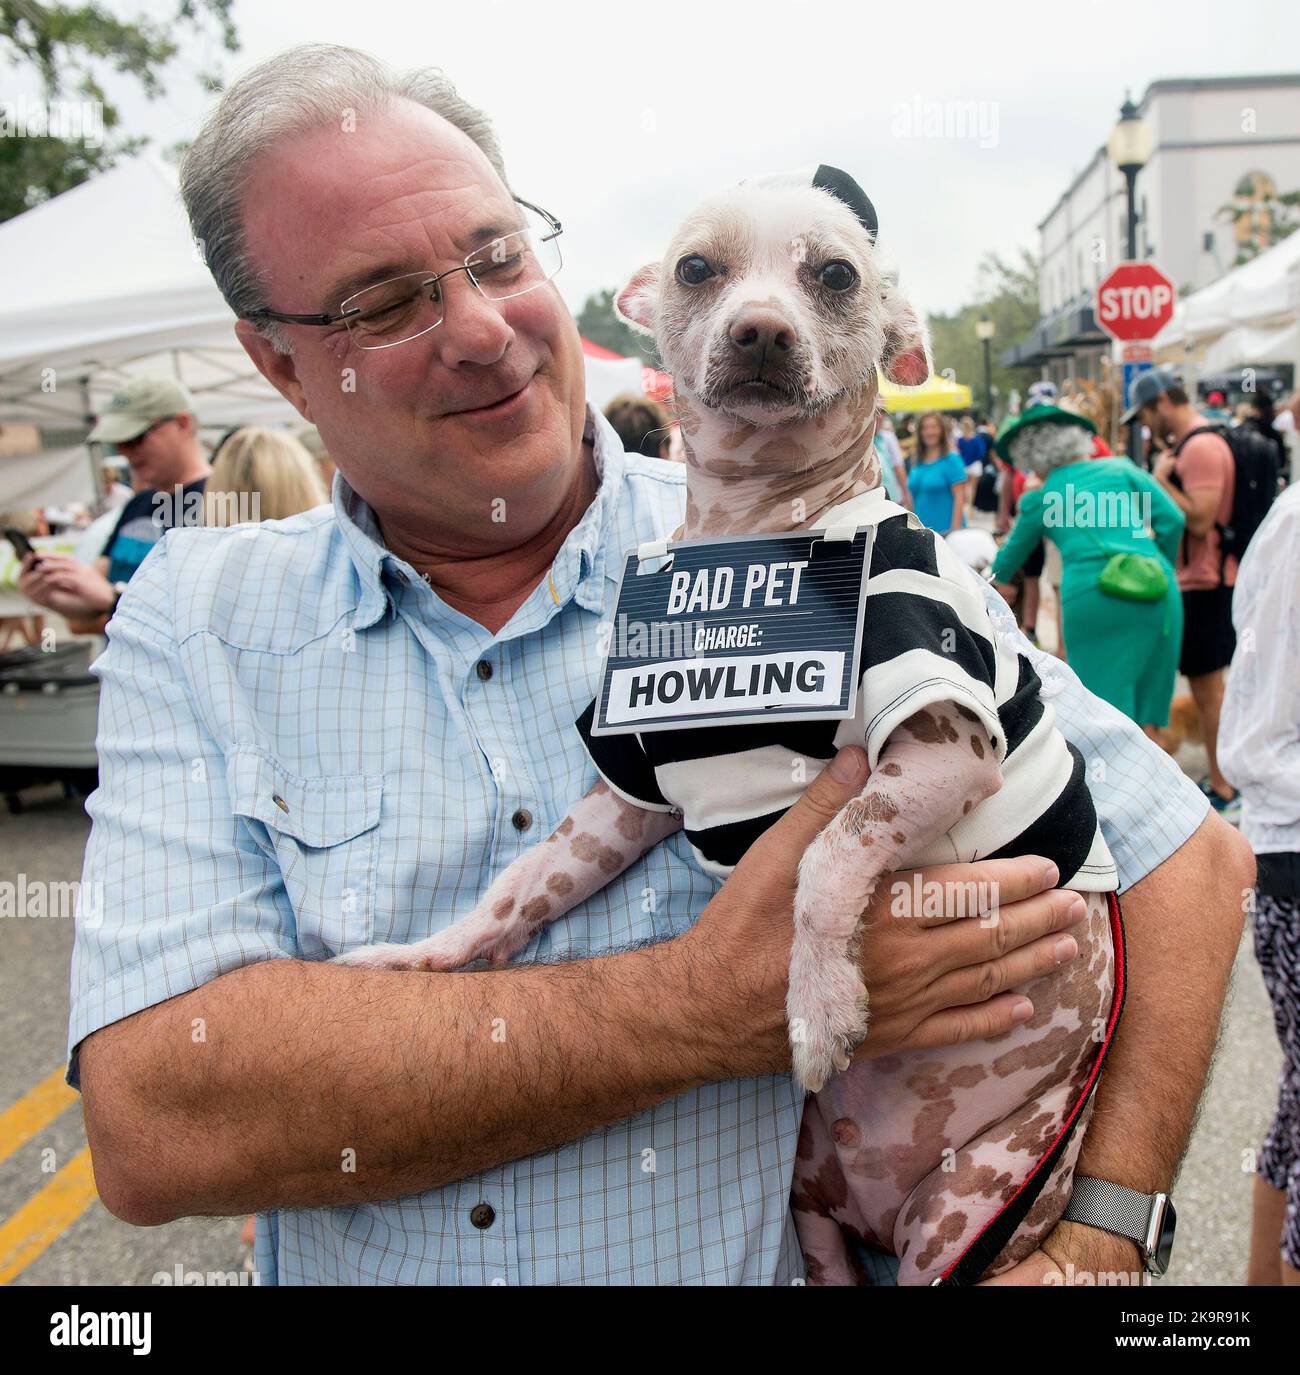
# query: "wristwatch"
1147,1219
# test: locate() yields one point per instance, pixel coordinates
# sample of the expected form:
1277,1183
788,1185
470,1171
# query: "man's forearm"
313,1085
1182,926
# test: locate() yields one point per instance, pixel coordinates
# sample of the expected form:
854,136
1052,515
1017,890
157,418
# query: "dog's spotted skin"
915,1153
598,839
912,1153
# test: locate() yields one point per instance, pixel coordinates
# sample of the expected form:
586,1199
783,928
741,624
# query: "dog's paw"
378,957
473,938
826,1012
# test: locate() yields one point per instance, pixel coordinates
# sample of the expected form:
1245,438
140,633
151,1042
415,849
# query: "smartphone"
22,545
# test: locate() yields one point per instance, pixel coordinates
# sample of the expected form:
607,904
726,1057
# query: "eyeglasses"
404,308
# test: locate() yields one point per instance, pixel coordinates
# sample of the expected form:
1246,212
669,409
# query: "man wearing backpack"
1223,484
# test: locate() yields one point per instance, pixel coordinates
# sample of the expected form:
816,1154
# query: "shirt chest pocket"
322,832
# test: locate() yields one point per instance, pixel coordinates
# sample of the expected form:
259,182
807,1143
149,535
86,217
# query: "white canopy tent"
104,282
1253,307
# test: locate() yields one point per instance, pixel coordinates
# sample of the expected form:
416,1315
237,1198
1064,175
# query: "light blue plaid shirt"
299,753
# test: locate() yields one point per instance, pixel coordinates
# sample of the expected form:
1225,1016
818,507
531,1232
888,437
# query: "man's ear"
906,362
637,301
279,369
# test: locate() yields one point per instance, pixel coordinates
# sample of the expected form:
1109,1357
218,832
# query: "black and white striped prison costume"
928,638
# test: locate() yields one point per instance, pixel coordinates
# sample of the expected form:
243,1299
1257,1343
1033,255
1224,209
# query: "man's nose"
473,328
759,331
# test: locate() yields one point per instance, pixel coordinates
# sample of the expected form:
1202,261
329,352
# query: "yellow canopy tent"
934,394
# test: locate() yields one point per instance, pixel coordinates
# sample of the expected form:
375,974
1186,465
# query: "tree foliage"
70,49
1007,293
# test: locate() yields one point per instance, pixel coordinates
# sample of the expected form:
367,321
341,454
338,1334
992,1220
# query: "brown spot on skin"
865,839
967,1076
983,1180
966,712
923,727
1034,1135
878,807
564,827
560,884
891,770
1035,1055
821,1192
899,838
965,807
846,1132
977,747
534,911
585,847
853,818
503,909
609,859
630,823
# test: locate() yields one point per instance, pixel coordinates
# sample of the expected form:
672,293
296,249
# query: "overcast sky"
618,117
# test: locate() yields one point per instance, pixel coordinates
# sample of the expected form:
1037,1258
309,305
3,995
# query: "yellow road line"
33,1112
40,1220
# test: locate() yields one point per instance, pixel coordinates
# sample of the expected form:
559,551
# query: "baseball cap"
137,405
1147,386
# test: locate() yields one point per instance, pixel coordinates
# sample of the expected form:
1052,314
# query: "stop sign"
1135,302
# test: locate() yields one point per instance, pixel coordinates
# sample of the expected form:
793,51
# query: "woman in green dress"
1123,650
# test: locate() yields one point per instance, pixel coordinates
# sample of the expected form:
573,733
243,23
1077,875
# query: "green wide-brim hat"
1038,415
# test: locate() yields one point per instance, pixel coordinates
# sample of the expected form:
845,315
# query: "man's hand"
61,583
1163,466
1074,1255
932,980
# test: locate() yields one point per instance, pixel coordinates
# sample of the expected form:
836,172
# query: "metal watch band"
1115,1208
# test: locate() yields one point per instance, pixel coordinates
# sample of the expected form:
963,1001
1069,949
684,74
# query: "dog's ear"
906,362
636,302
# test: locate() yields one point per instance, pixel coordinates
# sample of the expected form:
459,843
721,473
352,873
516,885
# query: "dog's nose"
758,332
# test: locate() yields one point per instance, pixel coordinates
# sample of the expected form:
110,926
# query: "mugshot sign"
735,631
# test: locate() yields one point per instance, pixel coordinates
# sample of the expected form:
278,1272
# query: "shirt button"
482,1216
522,819
483,669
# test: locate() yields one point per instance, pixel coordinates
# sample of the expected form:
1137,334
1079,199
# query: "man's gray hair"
305,88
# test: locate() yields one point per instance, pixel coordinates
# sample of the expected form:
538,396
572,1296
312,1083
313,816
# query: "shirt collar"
577,573
867,508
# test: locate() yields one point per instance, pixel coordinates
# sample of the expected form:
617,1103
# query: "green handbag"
1135,577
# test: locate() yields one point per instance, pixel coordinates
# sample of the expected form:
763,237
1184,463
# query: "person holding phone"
153,424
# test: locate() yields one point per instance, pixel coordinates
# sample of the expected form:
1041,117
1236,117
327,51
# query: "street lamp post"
985,329
1129,147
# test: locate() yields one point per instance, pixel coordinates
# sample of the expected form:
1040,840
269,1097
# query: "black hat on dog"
844,188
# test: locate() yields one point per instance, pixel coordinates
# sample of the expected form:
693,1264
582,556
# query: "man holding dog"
357,718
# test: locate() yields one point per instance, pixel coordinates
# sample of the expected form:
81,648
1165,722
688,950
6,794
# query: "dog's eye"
837,276
693,270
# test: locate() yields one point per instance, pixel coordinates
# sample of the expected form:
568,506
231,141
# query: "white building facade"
1223,150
